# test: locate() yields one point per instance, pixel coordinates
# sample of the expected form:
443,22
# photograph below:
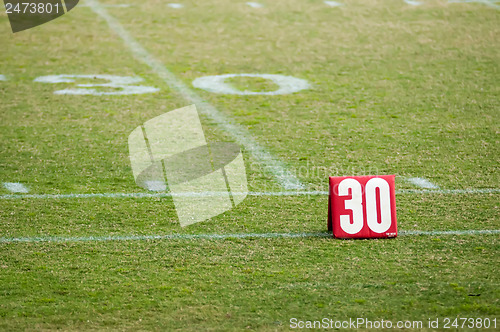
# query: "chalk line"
462,232
239,134
59,239
251,193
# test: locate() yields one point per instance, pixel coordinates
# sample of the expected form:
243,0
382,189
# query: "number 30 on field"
362,207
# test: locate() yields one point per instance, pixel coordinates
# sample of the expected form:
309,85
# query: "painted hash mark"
254,4
423,183
16,187
332,3
175,5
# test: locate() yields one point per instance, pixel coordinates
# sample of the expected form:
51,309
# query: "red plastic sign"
362,207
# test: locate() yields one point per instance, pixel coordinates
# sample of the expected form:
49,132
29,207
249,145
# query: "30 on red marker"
362,207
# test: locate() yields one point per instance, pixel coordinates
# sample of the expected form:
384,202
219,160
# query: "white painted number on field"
355,204
3,78
217,84
123,84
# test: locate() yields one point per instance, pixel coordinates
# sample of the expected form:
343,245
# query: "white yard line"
239,134
462,232
252,193
59,239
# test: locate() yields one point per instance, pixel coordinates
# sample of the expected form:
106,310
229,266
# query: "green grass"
396,89
234,284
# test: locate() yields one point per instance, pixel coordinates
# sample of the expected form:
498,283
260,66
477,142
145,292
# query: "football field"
308,89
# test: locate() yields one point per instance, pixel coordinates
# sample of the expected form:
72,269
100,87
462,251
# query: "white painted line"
254,5
175,5
16,187
3,78
362,286
422,183
239,134
332,3
413,3
462,232
449,191
252,193
161,195
59,239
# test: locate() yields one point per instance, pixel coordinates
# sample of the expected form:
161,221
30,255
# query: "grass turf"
395,89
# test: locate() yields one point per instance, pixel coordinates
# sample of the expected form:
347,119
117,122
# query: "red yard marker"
362,207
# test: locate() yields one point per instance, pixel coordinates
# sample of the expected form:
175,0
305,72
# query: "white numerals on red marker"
371,205
123,84
355,204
